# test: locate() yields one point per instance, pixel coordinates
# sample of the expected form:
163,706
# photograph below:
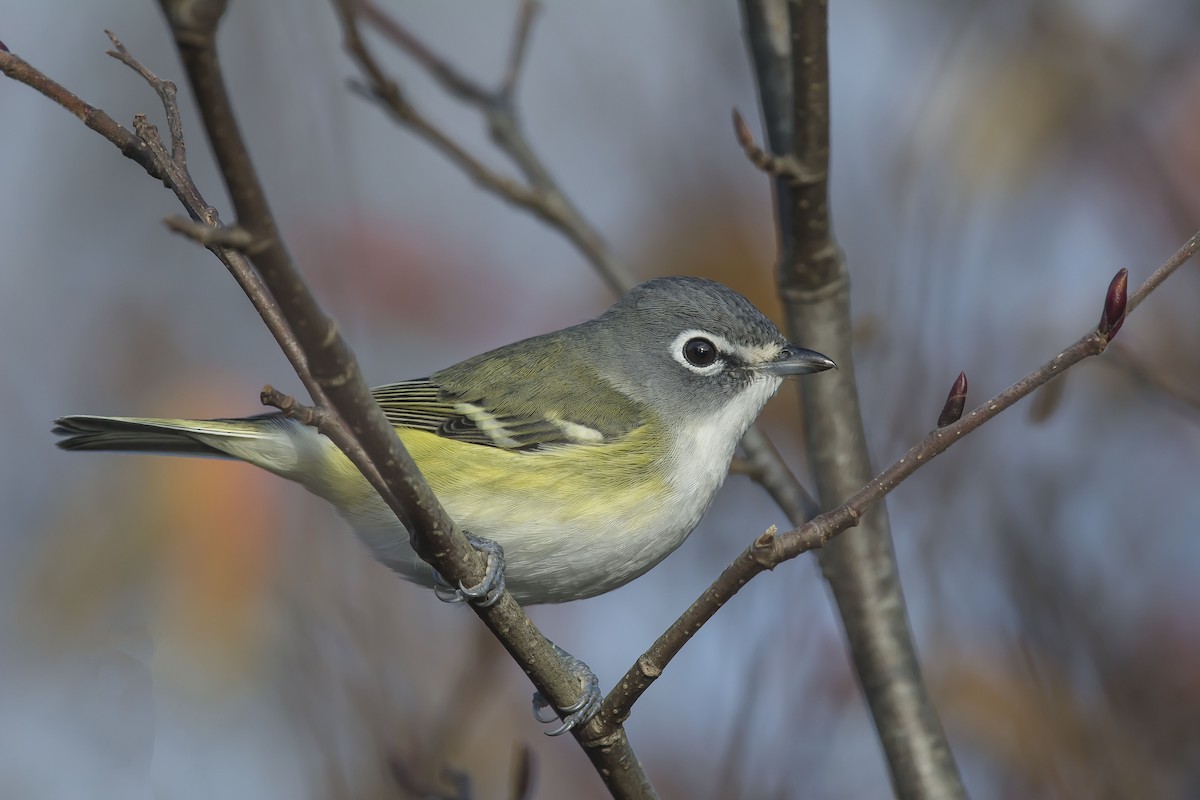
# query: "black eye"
700,352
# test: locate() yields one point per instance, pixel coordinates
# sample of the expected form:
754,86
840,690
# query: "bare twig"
230,236
291,408
771,548
166,92
520,46
146,150
769,470
541,194
94,118
786,167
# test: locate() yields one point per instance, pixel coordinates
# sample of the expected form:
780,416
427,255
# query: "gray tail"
135,435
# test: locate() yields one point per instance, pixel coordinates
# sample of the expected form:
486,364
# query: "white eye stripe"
719,342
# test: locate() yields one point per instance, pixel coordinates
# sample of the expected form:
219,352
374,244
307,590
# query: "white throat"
703,448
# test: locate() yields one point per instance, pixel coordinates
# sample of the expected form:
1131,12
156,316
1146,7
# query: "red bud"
1113,316
4,47
955,403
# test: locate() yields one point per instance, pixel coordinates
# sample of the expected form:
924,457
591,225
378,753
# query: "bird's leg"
578,713
488,590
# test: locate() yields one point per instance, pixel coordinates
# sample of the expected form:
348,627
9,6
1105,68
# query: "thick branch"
814,285
297,323
334,368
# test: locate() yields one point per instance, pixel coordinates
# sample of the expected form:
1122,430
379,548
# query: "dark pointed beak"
793,360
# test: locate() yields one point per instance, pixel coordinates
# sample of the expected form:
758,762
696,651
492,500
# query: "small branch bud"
270,396
785,167
742,131
952,411
1113,316
4,47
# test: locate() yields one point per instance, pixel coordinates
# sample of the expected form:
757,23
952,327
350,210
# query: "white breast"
705,448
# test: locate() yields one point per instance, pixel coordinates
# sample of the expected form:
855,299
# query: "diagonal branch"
771,549
434,536
307,336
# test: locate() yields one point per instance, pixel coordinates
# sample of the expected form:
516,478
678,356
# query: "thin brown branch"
180,181
166,92
291,408
1181,256
94,118
230,236
541,196
771,548
374,447
152,157
767,468
785,167
194,33
520,46
444,72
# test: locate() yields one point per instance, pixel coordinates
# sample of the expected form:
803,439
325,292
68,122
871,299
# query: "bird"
588,454
581,458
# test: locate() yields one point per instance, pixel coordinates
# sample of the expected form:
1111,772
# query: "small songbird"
588,454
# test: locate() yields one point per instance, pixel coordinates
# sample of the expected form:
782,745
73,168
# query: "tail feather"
139,435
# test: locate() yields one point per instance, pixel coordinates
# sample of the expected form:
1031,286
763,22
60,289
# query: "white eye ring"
720,346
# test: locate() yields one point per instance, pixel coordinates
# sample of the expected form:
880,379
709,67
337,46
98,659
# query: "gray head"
690,344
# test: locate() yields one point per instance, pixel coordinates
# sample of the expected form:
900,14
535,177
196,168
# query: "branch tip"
742,131
956,401
232,236
288,406
1113,315
4,47
786,167
520,45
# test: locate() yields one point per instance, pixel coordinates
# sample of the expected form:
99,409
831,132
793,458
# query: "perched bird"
587,454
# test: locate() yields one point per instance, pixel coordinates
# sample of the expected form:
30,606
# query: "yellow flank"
485,487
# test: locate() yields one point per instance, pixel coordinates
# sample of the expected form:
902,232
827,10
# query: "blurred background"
194,629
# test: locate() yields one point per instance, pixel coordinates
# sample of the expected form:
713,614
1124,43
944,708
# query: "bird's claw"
487,591
578,713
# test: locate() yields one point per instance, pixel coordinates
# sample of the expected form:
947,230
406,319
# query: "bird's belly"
569,530
554,552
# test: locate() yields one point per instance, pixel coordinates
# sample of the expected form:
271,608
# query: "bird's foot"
578,713
488,590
